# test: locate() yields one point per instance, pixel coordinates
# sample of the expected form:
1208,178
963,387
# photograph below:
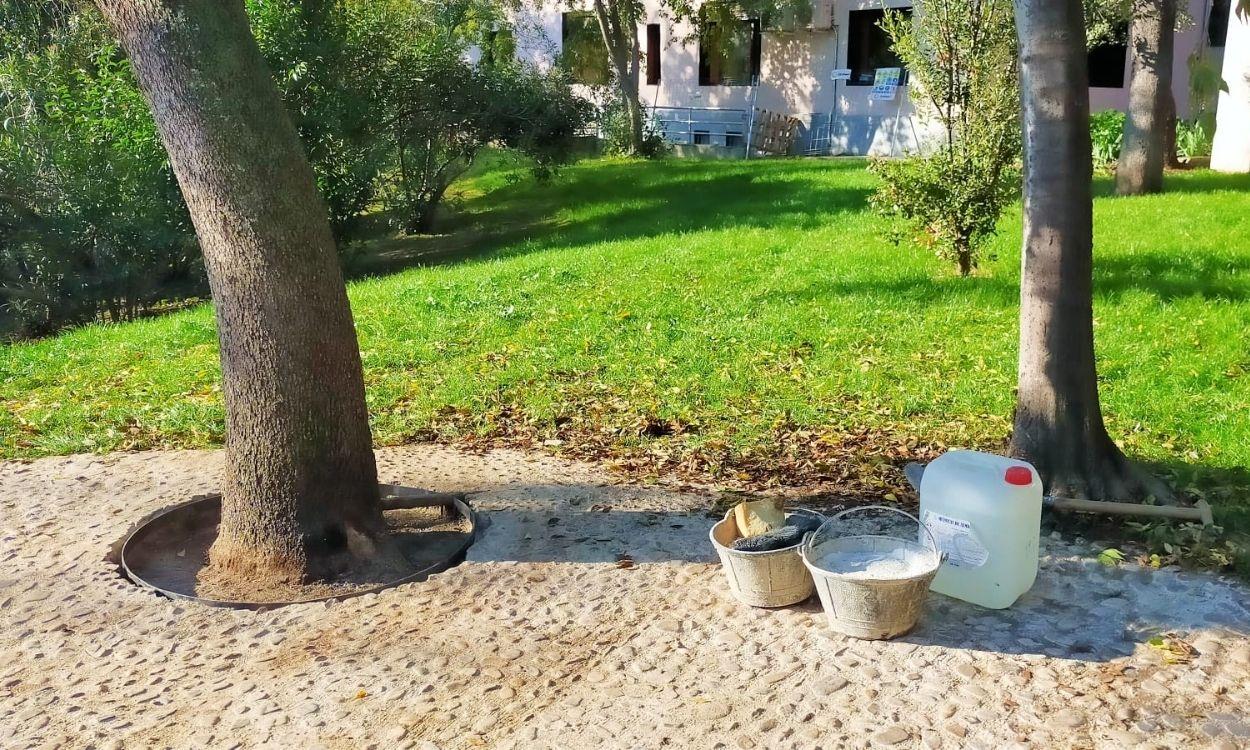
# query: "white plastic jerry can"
985,513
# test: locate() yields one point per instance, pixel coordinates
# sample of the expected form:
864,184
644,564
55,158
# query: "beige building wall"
795,69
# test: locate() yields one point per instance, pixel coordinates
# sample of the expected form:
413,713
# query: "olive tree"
300,498
961,58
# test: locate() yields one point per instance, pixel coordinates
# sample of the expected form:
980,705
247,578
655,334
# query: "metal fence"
702,126
820,132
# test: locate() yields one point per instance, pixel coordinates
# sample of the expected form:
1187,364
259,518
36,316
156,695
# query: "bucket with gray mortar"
775,578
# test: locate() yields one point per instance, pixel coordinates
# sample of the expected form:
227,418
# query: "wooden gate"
773,133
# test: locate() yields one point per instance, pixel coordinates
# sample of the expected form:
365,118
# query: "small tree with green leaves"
961,60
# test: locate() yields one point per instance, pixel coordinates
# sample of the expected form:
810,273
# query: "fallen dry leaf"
1173,649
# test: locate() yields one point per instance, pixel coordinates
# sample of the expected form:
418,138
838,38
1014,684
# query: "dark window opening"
868,46
730,56
1107,61
653,54
1217,23
702,138
581,51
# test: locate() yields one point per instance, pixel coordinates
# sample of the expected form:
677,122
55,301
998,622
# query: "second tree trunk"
1144,152
1058,421
620,38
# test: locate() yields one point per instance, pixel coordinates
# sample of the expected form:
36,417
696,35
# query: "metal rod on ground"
1200,512
395,497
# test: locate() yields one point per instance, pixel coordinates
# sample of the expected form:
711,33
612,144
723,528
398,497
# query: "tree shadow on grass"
1226,488
1204,181
918,287
1183,181
1167,278
1209,276
625,201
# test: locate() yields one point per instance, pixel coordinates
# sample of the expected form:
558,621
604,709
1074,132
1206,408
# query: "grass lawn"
745,320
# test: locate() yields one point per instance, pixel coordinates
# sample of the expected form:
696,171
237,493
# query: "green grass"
745,320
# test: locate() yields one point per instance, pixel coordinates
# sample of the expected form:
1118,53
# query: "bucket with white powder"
872,578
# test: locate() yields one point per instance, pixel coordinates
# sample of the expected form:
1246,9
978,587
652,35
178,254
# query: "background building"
704,97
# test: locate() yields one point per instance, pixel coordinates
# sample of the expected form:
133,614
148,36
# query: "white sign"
840,74
957,539
885,85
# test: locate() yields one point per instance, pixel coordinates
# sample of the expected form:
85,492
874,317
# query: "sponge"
756,517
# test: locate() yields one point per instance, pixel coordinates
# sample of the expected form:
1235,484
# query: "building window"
582,52
1107,61
1217,23
868,47
653,54
702,138
730,55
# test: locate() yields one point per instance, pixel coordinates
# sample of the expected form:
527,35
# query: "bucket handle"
823,518
806,544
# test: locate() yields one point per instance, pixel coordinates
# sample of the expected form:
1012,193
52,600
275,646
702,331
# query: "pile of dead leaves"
864,462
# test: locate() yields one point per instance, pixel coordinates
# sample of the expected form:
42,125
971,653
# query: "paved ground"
540,641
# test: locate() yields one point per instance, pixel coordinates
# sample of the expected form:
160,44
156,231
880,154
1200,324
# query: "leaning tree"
1150,126
300,495
618,27
1058,422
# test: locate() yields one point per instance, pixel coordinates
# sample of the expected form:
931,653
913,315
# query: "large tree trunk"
1144,152
300,497
1058,422
620,39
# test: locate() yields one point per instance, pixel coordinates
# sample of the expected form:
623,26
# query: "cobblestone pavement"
541,641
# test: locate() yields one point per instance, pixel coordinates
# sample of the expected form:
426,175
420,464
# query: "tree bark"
1058,421
1145,148
963,255
1171,159
300,496
620,38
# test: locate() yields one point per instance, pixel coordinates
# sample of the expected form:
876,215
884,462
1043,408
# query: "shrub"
391,110
1106,132
1193,140
614,129
962,63
91,220
453,109
337,63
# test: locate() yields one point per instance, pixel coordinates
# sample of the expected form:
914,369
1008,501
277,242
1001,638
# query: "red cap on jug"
1020,475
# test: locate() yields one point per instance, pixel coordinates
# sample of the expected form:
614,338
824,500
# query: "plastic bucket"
866,607
776,578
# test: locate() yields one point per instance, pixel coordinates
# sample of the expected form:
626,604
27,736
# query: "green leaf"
1111,557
